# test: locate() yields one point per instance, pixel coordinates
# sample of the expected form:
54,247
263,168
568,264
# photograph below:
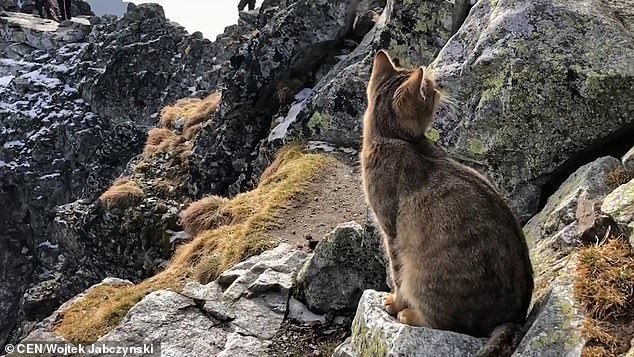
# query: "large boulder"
346,262
529,95
376,333
291,44
571,217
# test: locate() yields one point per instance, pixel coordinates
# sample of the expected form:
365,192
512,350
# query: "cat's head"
408,98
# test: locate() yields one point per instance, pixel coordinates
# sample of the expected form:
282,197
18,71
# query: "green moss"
319,122
433,135
368,344
493,88
476,146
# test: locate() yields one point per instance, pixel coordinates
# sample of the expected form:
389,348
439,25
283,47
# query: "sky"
207,16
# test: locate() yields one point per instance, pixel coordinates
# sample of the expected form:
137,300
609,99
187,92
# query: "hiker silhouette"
244,3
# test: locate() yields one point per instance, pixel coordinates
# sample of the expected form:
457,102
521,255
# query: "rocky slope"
540,102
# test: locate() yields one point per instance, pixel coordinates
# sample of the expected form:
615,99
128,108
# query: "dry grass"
604,286
597,330
208,254
123,193
204,214
191,113
160,140
605,279
277,162
617,177
595,351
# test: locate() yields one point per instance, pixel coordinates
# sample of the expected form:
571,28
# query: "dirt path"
335,197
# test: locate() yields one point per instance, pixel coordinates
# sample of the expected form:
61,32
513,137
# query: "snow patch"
280,131
13,144
4,81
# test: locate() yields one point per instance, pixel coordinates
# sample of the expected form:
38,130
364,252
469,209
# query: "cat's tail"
503,342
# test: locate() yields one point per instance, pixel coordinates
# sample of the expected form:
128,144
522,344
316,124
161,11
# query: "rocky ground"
539,101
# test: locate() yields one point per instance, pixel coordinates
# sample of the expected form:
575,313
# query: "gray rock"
74,103
587,186
555,323
45,330
376,333
162,64
345,350
521,113
628,161
619,205
299,312
247,346
214,319
174,320
344,264
254,294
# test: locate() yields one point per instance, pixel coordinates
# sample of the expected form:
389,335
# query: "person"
41,10
64,10
47,9
244,3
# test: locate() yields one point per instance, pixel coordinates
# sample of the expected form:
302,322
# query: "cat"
458,257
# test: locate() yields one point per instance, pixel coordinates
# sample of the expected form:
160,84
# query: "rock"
619,205
9,5
74,103
162,64
174,320
572,216
578,195
299,312
375,333
22,34
292,42
555,323
334,113
345,350
628,161
364,22
247,346
45,330
238,319
253,294
522,113
345,263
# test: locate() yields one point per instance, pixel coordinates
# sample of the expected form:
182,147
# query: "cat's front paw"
410,317
390,304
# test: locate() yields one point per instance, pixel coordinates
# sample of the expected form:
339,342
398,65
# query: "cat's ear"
382,68
383,65
413,87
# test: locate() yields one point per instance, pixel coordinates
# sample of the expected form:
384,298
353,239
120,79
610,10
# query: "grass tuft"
190,114
617,177
605,279
160,140
604,287
204,214
207,255
122,194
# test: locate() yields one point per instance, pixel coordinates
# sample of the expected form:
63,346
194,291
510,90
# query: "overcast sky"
207,16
